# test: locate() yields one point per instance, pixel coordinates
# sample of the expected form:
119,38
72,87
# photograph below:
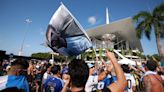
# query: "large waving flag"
65,35
9,81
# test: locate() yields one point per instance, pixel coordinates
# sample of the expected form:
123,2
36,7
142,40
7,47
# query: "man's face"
66,78
49,69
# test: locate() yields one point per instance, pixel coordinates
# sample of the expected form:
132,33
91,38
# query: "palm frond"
141,25
162,34
161,30
144,26
139,29
148,31
141,16
139,33
158,12
159,8
145,21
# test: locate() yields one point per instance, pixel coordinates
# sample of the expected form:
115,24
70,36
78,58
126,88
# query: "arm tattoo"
147,84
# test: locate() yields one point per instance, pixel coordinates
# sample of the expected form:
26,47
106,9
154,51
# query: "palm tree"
146,21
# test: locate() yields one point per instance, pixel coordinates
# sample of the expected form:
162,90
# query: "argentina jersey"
53,84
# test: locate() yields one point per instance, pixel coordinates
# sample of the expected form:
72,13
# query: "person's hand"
132,67
97,59
110,55
67,80
109,67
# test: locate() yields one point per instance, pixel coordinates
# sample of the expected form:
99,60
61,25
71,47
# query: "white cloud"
28,20
27,45
92,20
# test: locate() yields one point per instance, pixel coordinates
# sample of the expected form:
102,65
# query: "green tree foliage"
41,55
100,52
154,57
48,56
123,52
146,21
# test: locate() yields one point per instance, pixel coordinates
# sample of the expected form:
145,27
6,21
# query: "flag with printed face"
65,35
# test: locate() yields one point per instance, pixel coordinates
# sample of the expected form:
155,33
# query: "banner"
65,35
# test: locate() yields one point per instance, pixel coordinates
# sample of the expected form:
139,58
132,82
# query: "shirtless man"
152,81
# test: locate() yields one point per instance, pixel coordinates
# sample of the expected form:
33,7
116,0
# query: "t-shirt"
9,81
92,83
131,82
53,84
113,79
106,82
105,89
46,76
102,90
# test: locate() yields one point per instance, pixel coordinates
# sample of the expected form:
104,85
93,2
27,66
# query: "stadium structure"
119,35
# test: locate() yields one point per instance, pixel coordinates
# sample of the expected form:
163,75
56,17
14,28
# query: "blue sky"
90,13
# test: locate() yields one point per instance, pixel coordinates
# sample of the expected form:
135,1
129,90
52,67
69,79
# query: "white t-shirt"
131,81
91,84
46,75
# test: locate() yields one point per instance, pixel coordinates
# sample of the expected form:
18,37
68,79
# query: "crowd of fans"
77,76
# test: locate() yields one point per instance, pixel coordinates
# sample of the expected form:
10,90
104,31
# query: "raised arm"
121,83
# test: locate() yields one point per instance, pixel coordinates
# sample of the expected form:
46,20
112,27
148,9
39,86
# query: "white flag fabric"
65,35
9,81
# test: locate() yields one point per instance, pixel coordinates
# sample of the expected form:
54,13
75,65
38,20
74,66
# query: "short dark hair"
48,65
101,70
22,62
55,69
79,72
125,68
151,65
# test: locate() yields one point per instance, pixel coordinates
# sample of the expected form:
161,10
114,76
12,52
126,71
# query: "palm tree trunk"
159,47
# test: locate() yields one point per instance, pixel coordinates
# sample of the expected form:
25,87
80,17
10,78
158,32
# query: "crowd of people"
78,76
